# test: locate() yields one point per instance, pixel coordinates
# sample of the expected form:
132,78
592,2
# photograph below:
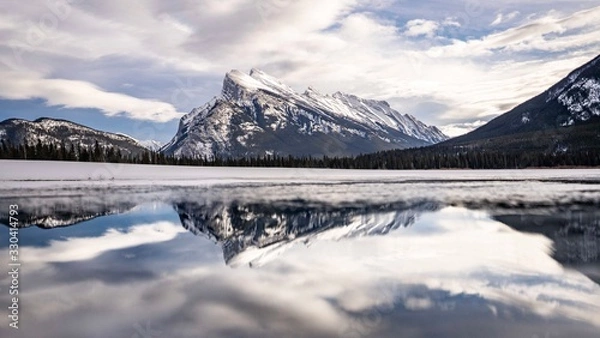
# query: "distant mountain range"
256,114
562,118
57,132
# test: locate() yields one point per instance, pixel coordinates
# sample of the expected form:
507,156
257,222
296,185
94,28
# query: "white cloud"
457,129
511,16
498,20
331,45
501,18
81,94
452,22
421,27
542,34
85,248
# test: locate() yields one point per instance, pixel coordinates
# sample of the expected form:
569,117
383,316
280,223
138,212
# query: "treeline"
451,158
427,158
70,152
411,159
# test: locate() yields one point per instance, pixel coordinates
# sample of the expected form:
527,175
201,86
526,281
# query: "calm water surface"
419,259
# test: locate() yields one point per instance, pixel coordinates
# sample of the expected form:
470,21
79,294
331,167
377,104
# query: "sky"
138,67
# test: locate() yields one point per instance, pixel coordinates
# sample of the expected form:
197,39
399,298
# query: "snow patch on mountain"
152,145
553,94
582,99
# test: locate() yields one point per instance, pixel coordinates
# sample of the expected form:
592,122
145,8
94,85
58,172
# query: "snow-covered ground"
68,173
47,174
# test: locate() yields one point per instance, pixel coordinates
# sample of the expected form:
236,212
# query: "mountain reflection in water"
239,227
303,267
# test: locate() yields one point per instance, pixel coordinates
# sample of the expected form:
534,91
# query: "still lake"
502,256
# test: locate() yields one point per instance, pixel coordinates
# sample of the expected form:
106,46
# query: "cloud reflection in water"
423,270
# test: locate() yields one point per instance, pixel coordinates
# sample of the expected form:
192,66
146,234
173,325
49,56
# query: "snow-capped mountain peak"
237,84
270,81
258,114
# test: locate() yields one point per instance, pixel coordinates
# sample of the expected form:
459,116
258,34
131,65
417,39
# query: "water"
494,258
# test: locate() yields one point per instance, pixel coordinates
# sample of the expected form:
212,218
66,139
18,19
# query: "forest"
409,159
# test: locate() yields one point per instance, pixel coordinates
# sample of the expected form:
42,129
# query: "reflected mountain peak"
239,227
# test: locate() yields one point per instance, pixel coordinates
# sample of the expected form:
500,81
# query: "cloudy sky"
137,68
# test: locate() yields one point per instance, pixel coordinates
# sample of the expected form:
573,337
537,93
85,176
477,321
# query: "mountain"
151,144
564,117
575,234
53,131
253,233
256,114
65,218
71,207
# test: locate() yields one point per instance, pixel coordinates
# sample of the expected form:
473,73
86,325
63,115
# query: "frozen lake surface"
143,251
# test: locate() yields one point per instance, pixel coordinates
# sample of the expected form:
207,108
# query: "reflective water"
425,259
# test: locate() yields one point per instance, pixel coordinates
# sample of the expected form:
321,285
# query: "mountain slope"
256,114
56,132
564,117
